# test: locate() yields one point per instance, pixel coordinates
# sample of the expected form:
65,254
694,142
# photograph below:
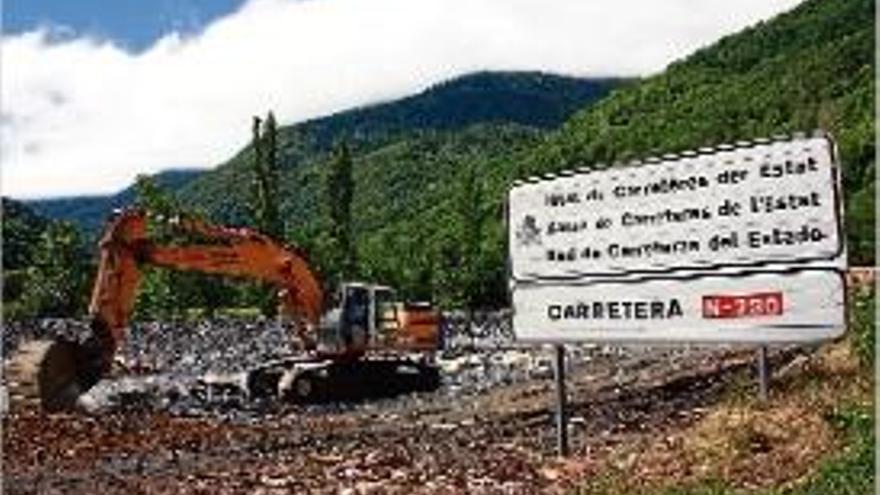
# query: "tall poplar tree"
265,194
472,219
265,200
339,191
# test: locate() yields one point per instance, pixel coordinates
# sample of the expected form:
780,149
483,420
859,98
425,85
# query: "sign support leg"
763,374
561,420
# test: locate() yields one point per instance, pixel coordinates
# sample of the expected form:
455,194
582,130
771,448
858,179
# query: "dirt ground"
638,418
500,440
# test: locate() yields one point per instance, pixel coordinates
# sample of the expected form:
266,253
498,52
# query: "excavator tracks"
43,373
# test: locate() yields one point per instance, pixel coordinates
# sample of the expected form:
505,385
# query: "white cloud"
84,116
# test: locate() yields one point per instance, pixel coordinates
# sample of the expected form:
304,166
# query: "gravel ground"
487,429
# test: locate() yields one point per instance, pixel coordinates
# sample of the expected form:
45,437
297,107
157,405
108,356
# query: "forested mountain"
406,202
526,98
498,99
409,157
809,68
430,171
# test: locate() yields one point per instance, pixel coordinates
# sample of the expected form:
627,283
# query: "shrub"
863,325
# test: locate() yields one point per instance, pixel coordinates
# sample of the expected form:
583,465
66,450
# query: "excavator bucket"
46,373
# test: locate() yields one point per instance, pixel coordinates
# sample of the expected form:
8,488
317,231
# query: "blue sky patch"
132,24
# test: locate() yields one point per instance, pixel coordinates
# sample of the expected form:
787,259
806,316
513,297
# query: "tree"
258,185
151,197
166,293
472,220
861,231
265,196
22,229
21,233
265,200
460,275
57,282
162,293
338,194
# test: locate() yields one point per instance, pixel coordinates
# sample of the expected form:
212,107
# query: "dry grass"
743,444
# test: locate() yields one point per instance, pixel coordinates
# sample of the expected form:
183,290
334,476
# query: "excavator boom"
237,252
124,246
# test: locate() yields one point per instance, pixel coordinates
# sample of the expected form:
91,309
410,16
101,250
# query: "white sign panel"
769,203
764,307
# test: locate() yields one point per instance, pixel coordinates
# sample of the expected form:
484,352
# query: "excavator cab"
370,316
362,318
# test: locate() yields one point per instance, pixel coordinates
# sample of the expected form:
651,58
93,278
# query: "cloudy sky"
94,92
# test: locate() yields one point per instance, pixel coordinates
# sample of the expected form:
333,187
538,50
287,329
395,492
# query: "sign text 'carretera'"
762,307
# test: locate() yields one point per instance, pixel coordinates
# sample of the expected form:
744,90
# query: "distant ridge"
90,212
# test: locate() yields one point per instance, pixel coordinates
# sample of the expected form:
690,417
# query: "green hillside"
403,207
525,98
810,68
407,178
498,99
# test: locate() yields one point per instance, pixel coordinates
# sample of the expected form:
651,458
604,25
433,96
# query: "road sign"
765,203
763,307
734,244
738,244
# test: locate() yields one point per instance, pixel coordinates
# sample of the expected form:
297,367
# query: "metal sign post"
561,404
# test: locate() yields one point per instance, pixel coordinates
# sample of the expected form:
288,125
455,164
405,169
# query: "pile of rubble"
201,367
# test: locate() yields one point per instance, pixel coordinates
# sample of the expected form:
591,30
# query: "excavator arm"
72,369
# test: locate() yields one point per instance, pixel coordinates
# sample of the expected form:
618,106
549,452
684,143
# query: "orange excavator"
367,321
